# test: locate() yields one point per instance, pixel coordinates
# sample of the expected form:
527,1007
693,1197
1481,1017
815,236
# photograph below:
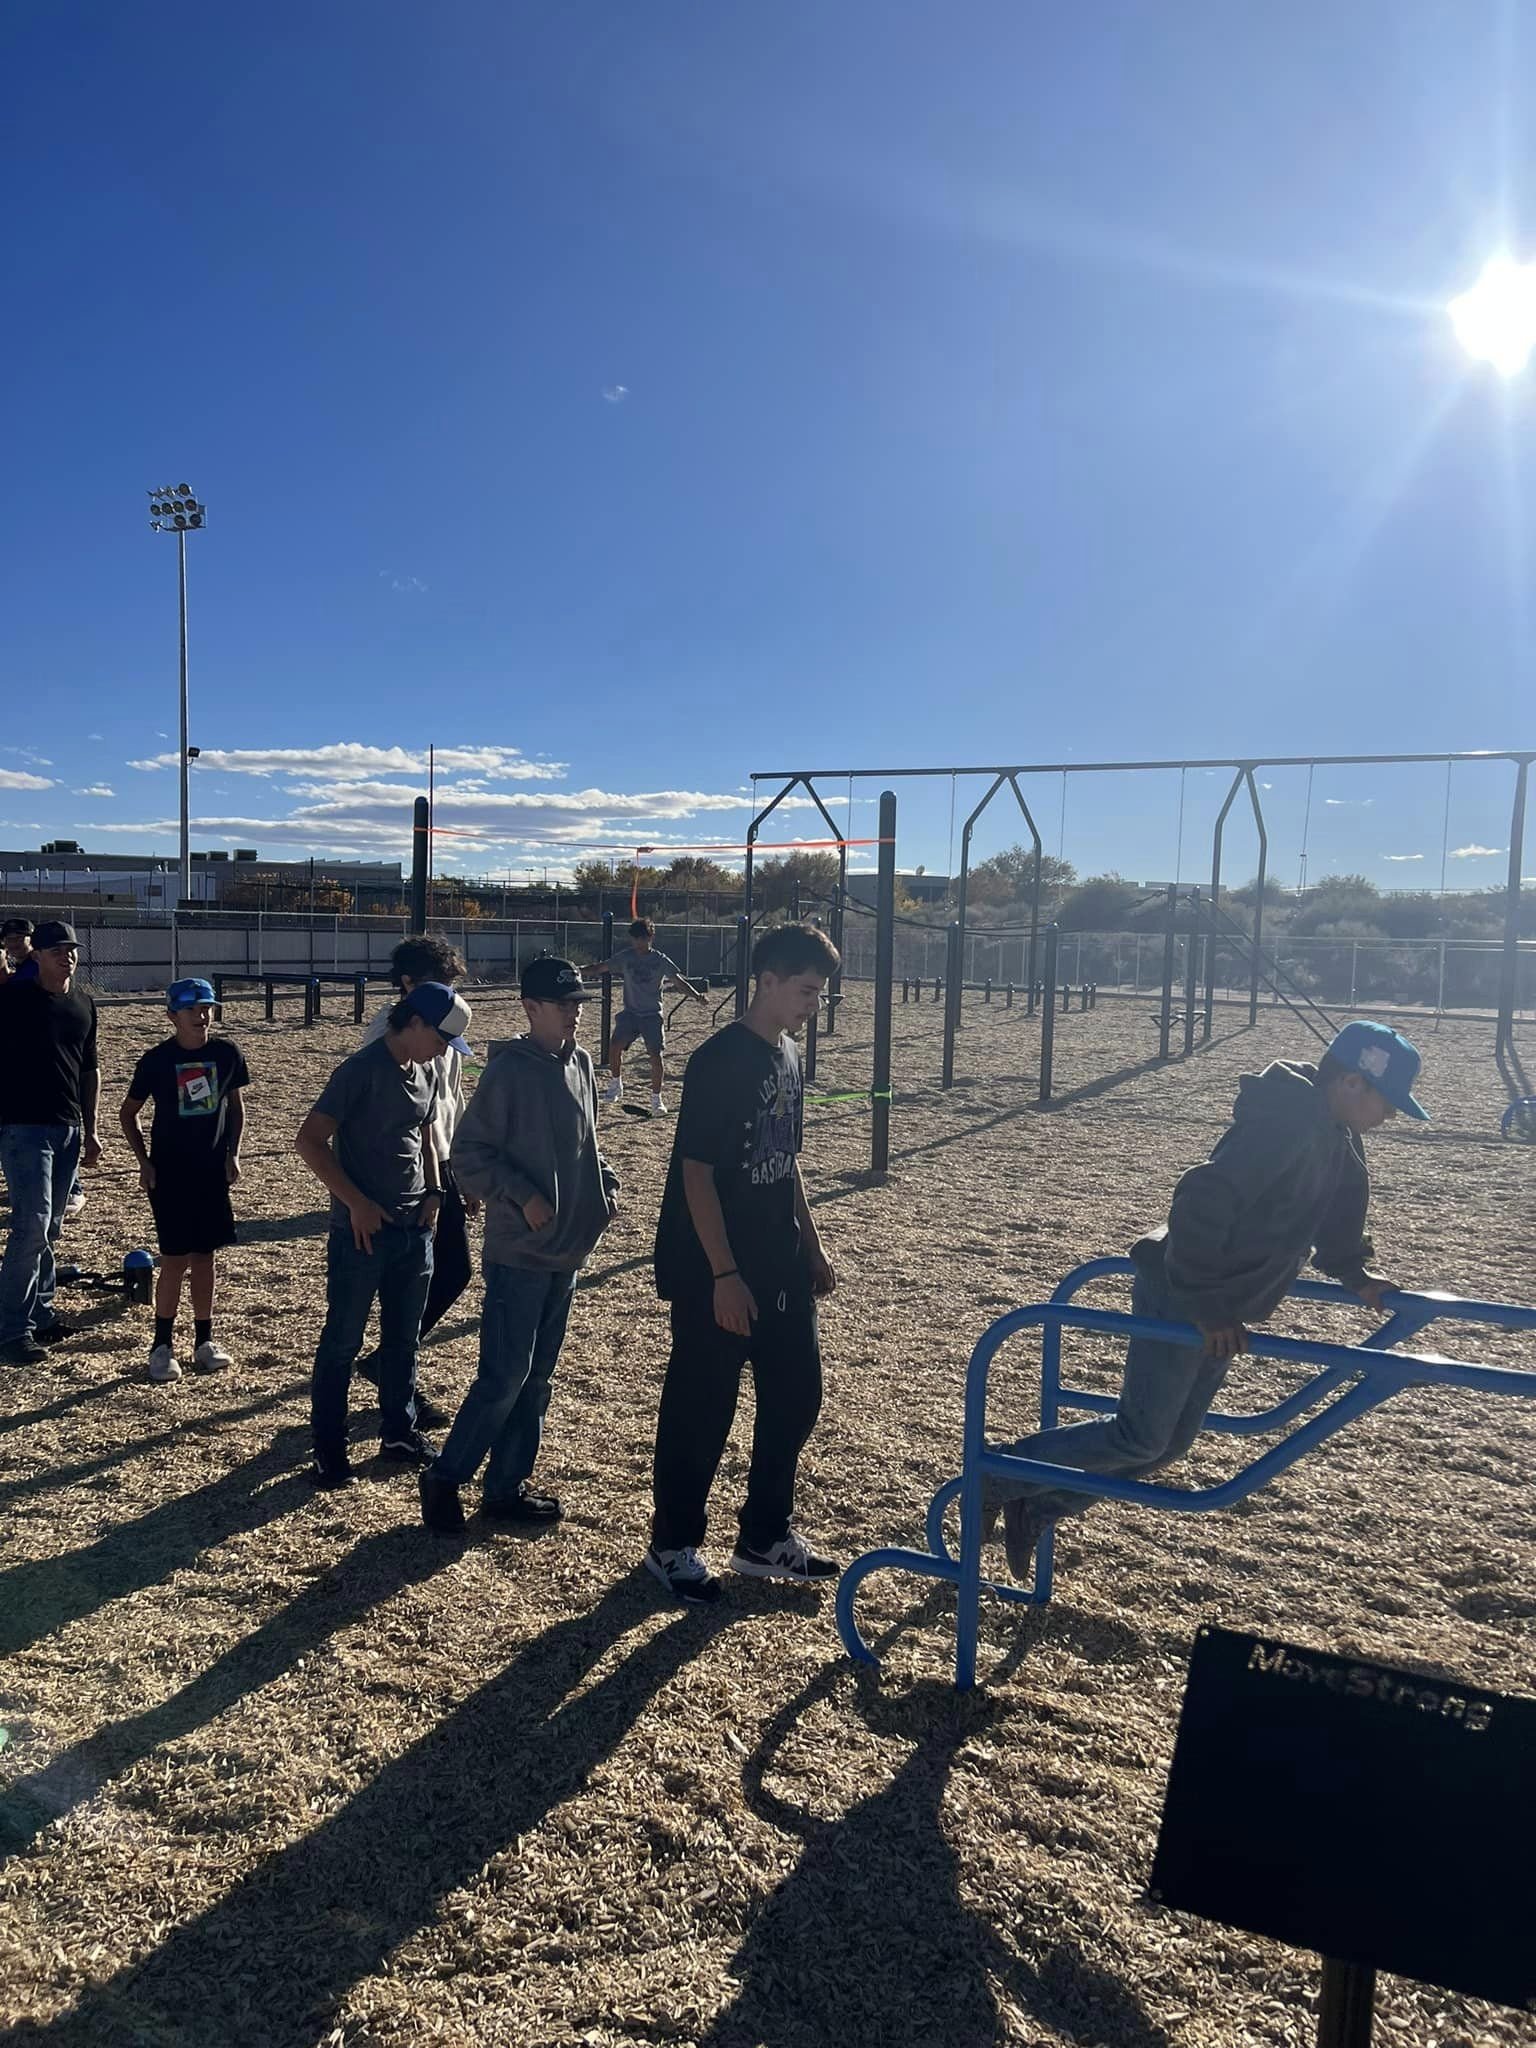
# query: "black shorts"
192,1211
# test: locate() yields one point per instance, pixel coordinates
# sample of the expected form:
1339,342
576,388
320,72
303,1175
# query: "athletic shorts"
192,1212
650,1030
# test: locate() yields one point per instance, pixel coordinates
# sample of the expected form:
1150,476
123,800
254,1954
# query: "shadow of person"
267,1966
868,1938
41,1595
369,1575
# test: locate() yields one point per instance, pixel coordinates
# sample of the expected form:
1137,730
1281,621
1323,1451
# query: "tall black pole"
420,833
1346,2009
885,967
1048,1015
1509,971
954,953
1170,943
607,998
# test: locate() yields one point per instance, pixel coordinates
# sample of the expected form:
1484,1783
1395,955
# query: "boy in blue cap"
195,1082
1286,1183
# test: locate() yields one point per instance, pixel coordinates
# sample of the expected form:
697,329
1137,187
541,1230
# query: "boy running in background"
369,1140
1287,1182
644,967
195,1082
527,1145
739,1260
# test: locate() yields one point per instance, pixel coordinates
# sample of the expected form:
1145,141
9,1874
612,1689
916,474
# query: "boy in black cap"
527,1145
195,1083
368,1138
1287,1182
49,1085
16,961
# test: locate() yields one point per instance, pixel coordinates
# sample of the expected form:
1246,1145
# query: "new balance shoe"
440,1507
684,1574
163,1365
612,1090
210,1357
791,1558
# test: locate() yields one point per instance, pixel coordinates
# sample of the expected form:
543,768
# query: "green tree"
592,875
774,880
1009,876
1101,903
694,871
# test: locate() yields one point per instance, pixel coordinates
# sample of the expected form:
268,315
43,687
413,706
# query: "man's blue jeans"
522,1326
40,1162
399,1271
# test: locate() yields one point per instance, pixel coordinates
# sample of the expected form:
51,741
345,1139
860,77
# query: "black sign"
1363,1812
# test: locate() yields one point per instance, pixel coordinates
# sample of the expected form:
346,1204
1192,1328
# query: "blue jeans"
399,1271
40,1163
522,1326
1164,1399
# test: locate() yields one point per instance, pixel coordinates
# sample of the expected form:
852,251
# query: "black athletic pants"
698,1406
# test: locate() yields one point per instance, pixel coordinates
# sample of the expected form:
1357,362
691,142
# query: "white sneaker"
658,1107
162,1364
791,1558
75,1203
684,1574
211,1357
612,1090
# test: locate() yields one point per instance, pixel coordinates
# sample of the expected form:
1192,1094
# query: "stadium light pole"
175,510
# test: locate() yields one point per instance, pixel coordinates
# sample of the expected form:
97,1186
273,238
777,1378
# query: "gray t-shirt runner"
643,975
380,1109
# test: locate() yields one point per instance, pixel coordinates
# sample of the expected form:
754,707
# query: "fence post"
1354,968
1048,1014
743,963
607,995
1192,972
952,978
885,967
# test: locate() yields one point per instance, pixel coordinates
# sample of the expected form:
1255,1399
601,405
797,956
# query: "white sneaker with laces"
211,1357
658,1106
684,1574
612,1090
790,1558
75,1203
162,1364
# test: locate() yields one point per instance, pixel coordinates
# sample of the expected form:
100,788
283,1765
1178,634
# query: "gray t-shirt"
643,975
380,1109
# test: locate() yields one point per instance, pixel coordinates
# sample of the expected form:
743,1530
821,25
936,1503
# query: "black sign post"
1379,1817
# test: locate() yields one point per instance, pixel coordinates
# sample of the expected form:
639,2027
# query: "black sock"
164,1330
202,1330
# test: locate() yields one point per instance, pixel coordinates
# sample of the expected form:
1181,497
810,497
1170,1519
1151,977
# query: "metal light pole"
175,510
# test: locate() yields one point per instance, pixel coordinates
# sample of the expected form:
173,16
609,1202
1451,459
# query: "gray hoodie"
1283,1179
531,1129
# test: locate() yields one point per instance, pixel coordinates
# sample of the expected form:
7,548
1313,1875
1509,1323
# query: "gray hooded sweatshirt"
531,1129
1284,1184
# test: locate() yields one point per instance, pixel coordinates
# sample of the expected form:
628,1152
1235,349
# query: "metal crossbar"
1352,1379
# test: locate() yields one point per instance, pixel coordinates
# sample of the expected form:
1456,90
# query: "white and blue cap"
187,993
1387,1060
448,1013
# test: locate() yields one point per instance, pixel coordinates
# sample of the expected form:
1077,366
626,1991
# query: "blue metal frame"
1361,1376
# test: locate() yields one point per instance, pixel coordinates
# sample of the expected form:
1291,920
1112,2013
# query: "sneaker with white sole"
163,1366
684,1574
612,1090
210,1357
75,1203
658,1106
790,1558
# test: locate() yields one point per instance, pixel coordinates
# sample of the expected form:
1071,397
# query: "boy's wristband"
730,1273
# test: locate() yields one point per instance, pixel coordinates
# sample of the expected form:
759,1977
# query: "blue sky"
628,396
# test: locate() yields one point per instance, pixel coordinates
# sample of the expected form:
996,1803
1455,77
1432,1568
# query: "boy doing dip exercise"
193,1161
1287,1182
739,1259
644,968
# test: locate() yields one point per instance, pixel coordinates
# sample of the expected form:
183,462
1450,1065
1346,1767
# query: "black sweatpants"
698,1406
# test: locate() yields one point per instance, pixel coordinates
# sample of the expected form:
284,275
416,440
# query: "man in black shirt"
48,1089
739,1259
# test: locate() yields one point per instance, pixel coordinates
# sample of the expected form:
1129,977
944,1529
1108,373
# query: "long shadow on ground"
868,1941
366,1578
29,1418
44,1594
267,1966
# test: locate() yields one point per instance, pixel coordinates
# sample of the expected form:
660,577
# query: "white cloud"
96,789
401,582
1475,852
28,754
1338,803
95,735
19,778
615,393
20,825
351,761
1402,856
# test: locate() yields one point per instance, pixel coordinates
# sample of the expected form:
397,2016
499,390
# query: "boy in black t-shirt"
739,1259
193,1161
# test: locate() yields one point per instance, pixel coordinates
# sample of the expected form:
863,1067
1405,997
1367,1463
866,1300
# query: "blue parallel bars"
1361,1377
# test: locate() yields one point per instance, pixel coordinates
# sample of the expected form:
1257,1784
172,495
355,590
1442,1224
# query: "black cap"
548,980
54,933
16,928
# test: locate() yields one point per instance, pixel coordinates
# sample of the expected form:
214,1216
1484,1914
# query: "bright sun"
1496,320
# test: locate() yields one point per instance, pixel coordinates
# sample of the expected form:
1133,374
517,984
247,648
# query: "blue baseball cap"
1387,1060
437,1004
188,993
